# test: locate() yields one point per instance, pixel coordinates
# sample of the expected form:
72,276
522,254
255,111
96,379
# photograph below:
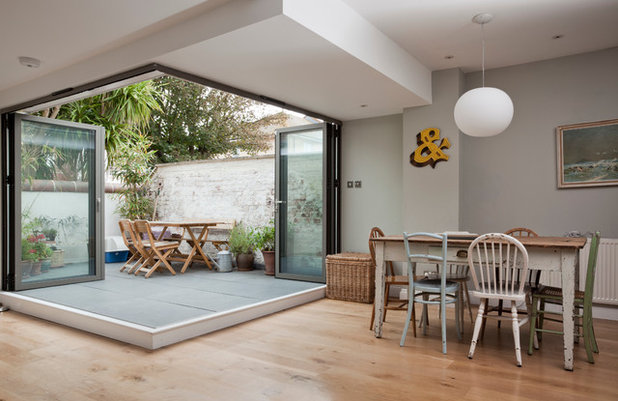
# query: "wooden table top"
188,223
543,242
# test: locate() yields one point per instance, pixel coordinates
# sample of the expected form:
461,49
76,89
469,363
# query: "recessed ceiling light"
363,105
557,36
29,61
449,57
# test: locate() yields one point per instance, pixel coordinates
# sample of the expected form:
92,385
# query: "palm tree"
123,112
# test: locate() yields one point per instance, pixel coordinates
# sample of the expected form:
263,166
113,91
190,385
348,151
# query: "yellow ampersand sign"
427,151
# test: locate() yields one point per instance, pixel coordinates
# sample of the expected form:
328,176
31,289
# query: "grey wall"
371,154
431,195
510,180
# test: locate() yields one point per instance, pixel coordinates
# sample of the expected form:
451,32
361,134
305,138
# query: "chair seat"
161,244
505,294
433,285
557,292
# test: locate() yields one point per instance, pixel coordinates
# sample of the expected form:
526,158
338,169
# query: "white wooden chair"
496,261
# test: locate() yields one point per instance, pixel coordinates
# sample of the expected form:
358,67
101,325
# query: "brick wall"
237,188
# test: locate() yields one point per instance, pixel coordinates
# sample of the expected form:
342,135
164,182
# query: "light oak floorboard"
318,351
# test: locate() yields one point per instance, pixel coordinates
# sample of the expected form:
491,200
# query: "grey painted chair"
423,290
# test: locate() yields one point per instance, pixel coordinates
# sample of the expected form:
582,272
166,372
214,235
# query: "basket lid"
350,256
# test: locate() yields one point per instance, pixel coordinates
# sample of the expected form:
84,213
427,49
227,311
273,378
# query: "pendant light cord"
483,46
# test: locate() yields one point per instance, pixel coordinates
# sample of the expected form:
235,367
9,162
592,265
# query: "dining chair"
155,252
128,236
583,304
499,259
390,279
460,274
423,290
533,276
225,226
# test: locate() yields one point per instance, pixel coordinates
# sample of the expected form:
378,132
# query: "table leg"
197,248
199,240
568,265
379,288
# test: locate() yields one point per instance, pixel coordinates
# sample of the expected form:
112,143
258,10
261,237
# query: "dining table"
559,254
190,228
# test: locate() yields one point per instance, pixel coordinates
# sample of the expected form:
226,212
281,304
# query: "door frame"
331,171
11,213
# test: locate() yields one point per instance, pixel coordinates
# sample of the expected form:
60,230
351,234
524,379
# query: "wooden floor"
319,351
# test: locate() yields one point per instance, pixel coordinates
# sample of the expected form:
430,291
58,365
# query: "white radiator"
606,279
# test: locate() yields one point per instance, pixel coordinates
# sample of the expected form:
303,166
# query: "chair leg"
459,315
128,262
516,332
500,306
373,315
484,323
477,328
413,319
467,294
540,322
588,334
409,314
443,321
533,317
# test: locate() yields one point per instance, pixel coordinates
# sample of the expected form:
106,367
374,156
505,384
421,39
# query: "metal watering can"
224,261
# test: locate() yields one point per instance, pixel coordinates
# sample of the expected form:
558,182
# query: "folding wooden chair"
154,252
128,236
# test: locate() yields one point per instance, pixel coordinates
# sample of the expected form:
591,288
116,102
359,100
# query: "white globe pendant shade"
483,112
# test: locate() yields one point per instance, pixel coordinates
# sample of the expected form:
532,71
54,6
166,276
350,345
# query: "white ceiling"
262,47
521,31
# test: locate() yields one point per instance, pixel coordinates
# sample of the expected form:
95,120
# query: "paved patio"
164,300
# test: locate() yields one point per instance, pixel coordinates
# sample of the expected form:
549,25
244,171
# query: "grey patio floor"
163,299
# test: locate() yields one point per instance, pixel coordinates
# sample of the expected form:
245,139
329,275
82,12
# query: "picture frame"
588,154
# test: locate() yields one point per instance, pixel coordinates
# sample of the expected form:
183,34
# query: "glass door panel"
57,202
303,201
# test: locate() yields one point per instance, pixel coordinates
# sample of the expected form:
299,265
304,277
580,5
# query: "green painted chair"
420,289
583,303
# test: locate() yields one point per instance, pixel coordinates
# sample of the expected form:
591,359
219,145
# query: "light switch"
350,184
357,184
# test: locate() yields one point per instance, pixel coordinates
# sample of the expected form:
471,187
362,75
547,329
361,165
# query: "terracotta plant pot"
269,262
36,268
244,261
26,268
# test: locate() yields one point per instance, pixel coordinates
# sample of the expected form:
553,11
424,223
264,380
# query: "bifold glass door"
306,191
54,201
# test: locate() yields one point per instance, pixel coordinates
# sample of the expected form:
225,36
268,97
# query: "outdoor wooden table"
198,241
545,253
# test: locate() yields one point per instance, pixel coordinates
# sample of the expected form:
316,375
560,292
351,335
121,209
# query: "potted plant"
45,253
265,242
241,244
41,250
28,255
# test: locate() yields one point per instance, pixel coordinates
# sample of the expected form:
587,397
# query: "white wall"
431,195
371,153
240,189
510,180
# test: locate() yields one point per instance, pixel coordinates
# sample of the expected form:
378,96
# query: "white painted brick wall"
239,188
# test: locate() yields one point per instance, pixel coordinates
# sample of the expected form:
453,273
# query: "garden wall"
236,188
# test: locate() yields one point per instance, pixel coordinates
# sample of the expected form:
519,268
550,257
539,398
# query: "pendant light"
483,111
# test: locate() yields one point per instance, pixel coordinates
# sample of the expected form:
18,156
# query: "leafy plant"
27,250
265,237
241,240
50,234
196,122
134,167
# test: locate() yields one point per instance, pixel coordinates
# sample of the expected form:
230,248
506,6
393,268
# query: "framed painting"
588,154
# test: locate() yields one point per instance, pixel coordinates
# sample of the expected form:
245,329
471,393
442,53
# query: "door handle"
98,205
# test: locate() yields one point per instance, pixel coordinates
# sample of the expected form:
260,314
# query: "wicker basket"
350,277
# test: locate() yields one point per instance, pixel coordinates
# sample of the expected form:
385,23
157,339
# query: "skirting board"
147,337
